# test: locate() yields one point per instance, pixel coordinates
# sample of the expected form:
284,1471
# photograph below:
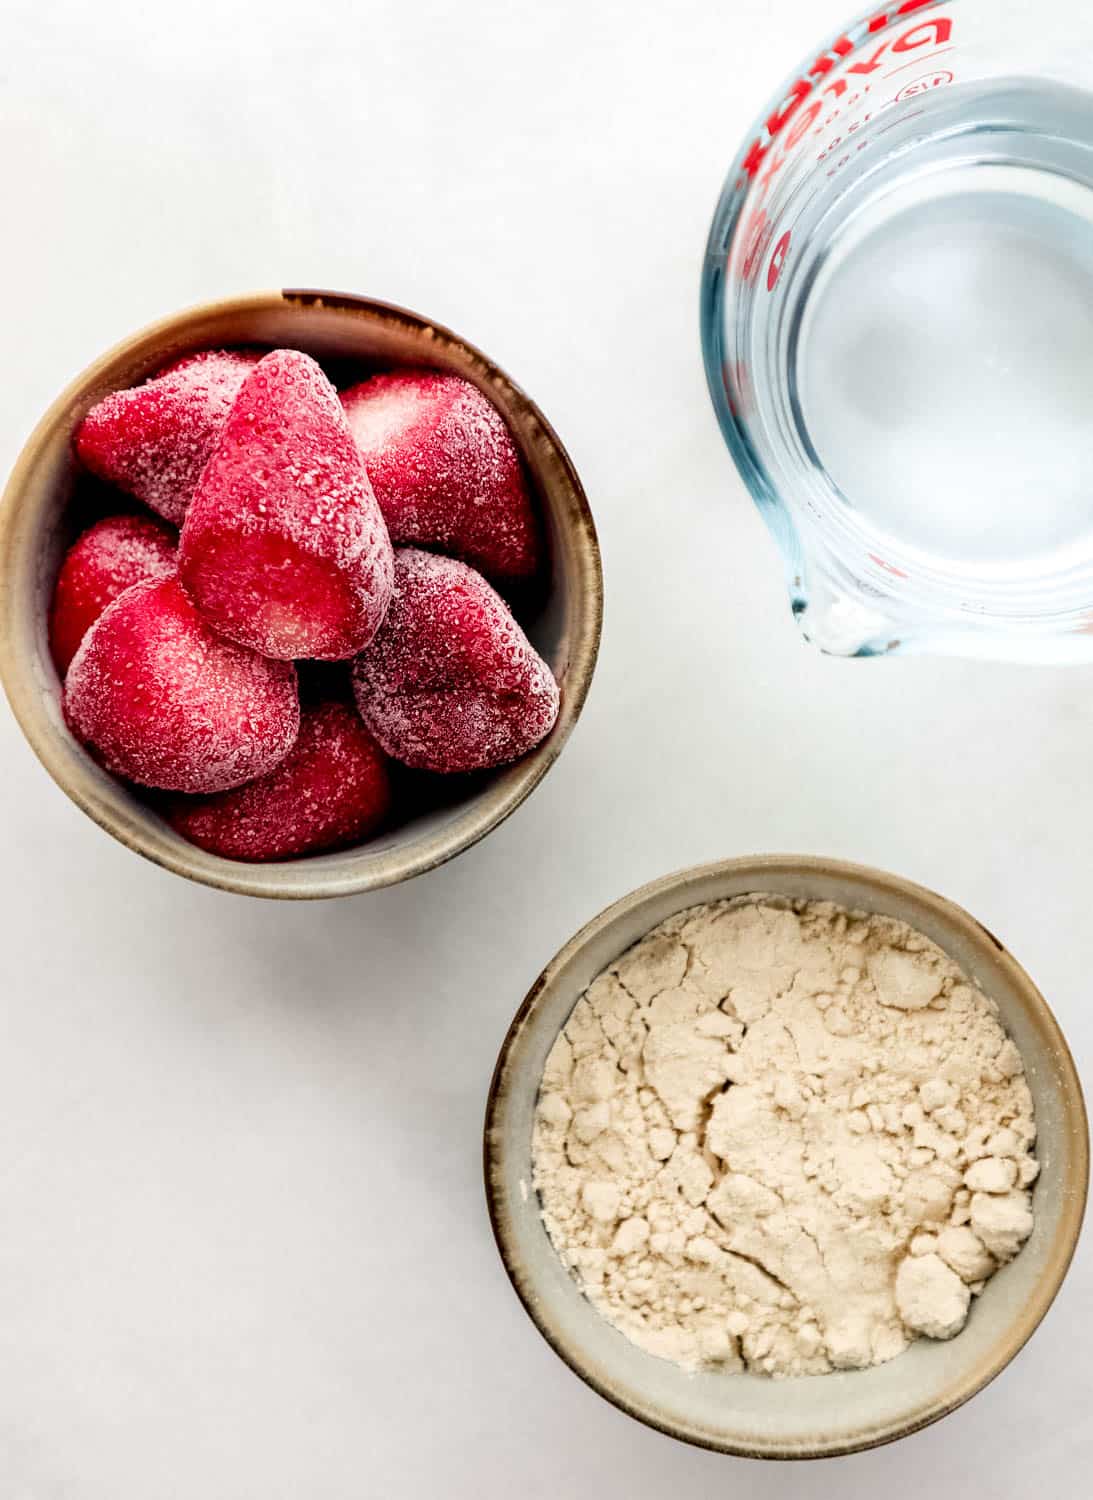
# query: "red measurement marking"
757,238
881,20
868,64
803,124
924,84
777,261
916,61
917,35
887,566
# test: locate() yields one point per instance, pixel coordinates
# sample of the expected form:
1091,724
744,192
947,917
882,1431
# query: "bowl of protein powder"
786,1157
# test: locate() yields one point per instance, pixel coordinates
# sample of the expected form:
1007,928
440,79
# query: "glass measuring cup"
897,324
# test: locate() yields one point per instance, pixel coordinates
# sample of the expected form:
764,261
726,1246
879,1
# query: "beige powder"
784,1137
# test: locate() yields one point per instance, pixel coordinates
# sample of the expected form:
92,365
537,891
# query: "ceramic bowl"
808,1417
35,527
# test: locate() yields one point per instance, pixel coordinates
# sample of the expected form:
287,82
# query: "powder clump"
784,1137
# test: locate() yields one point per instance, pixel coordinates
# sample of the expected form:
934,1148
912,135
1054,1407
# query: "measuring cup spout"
837,616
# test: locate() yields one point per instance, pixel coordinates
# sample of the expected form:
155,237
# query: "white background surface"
243,1250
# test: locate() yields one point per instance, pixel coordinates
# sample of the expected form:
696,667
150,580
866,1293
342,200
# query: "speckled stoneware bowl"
818,1416
34,530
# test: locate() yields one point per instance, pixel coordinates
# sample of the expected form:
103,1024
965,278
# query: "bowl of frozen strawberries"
299,594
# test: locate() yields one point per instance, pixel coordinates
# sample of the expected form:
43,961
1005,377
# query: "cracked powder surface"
784,1137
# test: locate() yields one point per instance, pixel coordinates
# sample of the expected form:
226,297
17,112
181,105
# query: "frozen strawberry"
284,548
332,789
163,701
106,560
154,440
451,682
445,470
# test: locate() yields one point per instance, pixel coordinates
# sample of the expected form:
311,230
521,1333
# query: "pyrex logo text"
929,33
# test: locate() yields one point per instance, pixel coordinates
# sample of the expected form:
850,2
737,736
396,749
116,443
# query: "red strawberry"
451,682
154,439
166,703
284,548
332,789
445,470
107,559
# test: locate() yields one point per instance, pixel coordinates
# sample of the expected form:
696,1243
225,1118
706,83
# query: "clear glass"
897,322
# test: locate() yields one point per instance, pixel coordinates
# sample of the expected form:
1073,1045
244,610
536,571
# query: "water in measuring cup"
944,349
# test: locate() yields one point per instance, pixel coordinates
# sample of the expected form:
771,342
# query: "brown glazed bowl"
822,1415
35,528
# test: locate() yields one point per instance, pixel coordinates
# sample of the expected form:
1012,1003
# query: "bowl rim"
301,879
1029,1316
